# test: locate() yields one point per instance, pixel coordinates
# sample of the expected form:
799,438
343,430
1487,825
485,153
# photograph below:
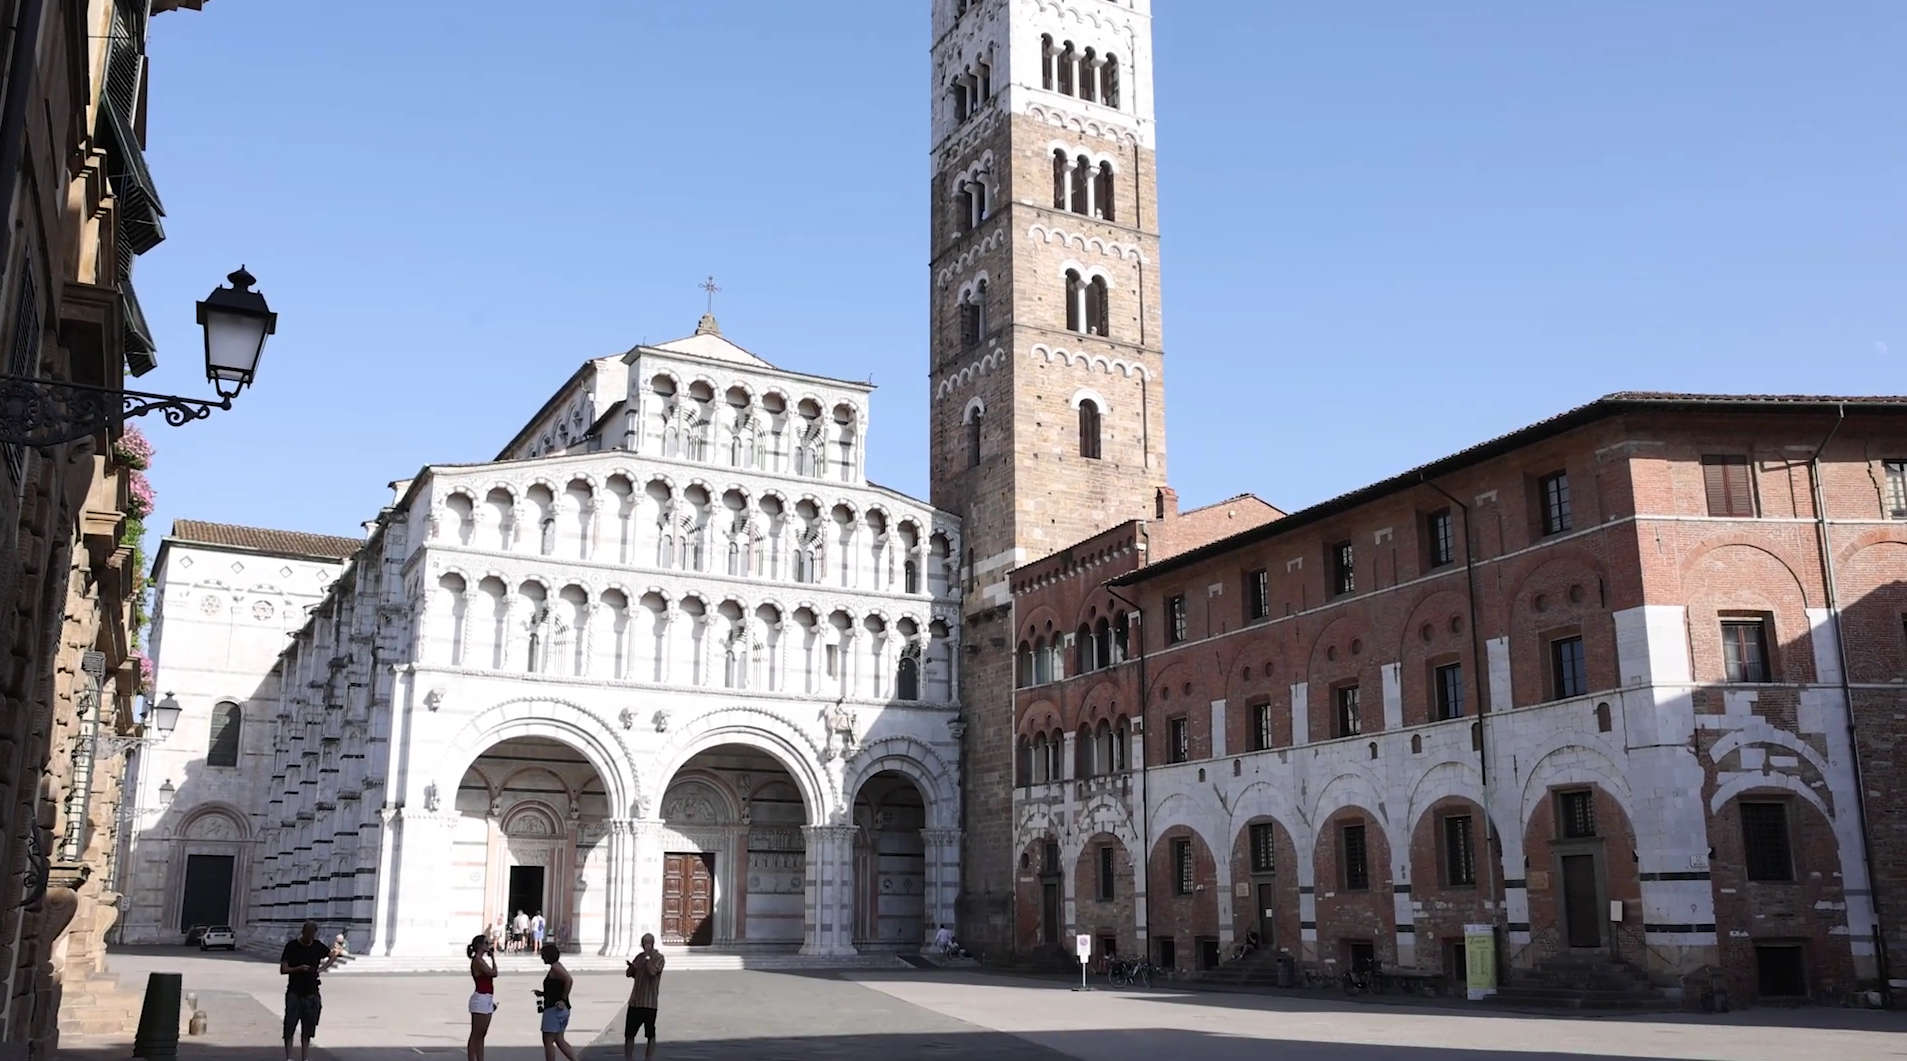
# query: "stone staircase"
1592,981
99,1006
681,959
1257,969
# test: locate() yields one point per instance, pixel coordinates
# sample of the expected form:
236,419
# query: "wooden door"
1049,913
1267,915
688,899
1582,918
699,903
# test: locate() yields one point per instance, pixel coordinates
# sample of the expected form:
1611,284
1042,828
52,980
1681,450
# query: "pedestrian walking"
536,931
644,995
483,999
555,1005
521,927
303,959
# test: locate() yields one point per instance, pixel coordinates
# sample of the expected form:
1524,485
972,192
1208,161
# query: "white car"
219,936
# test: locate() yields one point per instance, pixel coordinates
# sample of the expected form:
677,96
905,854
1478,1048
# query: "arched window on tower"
1082,185
976,203
1089,430
227,721
1046,62
1109,82
1088,82
1062,169
1083,651
907,674
910,577
1098,307
1023,665
976,418
1103,192
1102,643
963,207
985,77
1075,301
1068,68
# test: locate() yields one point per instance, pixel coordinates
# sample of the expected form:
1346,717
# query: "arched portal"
531,838
734,863
890,853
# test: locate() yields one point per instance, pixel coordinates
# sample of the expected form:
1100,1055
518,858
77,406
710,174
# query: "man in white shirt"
523,929
943,940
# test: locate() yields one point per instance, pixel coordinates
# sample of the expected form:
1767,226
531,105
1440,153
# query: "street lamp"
45,412
166,792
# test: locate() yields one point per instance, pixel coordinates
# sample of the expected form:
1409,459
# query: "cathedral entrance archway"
734,852
531,837
890,854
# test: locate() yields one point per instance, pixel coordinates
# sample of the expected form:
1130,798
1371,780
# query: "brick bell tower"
1048,418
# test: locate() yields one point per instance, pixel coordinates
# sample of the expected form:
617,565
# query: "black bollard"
158,1038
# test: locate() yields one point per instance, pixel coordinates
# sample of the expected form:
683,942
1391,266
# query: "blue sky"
1391,229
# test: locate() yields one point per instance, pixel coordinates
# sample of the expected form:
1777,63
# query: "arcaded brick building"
1629,682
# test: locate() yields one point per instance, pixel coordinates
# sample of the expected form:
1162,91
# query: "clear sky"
1391,229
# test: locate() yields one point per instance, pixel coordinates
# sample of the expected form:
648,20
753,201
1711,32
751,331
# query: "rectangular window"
1260,727
1459,856
1554,490
969,324
1745,649
1178,740
1357,871
1764,841
1183,881
1576,814
1105,873
1264,848
1448,680
1896,488
834,661
1569,672
1175,619
1343,570
1729,484
1350,719
1441,536
1257,595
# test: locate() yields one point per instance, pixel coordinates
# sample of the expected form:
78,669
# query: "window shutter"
1715,485
1741,495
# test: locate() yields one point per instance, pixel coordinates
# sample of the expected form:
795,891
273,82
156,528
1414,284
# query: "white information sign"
1083,944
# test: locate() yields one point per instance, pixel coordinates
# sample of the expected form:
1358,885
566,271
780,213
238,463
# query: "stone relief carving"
434,699
430,797
661,721
627,717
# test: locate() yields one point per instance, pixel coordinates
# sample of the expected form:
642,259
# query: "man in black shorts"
646,970
304,958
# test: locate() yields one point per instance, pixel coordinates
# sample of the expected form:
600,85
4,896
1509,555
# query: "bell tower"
1046,375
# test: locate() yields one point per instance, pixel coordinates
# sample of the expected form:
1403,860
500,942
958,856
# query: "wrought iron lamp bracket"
42,412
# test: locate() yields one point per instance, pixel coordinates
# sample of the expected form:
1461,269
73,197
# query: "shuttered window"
1896,488
1264,848
1460,858
1357,869
1764,834
1182,863
1576,812
1730,486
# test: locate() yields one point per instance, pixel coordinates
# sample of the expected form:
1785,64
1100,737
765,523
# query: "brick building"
1626,683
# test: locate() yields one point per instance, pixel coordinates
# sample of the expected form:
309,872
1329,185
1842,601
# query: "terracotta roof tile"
260,539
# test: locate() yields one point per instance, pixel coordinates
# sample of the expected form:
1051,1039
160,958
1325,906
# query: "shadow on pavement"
1162,1044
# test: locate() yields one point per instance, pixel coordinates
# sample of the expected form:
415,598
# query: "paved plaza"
892,1016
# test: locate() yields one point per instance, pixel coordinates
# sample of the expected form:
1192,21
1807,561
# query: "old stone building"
1626,684
80,205
668,663
1046,330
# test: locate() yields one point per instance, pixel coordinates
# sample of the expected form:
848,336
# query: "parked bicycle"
1364,978
1129,972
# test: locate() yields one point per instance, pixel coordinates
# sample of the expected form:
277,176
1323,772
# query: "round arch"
914,760
764,731
548,718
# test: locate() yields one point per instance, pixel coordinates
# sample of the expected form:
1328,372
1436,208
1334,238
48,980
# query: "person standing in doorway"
646,970
536,931
483,1000
555,995
522,926
303,959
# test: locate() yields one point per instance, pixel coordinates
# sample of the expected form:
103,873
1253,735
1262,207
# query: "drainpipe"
1847,698
1144,864
1493,864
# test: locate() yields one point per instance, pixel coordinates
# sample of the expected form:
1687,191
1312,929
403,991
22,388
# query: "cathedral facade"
668,663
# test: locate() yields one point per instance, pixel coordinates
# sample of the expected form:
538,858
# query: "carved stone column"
828,907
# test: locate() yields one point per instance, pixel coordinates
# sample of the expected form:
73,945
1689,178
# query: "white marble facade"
669,664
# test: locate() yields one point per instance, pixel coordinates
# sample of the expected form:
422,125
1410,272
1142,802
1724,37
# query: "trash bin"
1287,970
